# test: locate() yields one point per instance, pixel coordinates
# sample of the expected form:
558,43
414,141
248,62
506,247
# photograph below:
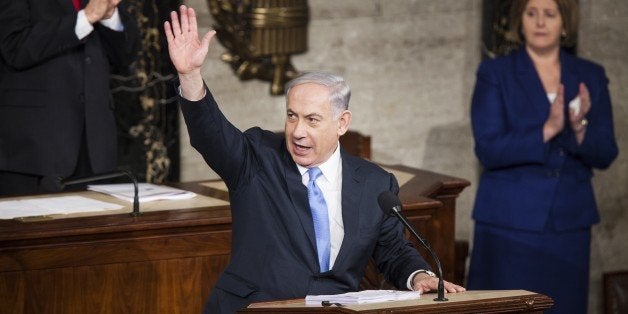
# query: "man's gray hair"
339,91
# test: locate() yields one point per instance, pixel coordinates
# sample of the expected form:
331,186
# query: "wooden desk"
164,261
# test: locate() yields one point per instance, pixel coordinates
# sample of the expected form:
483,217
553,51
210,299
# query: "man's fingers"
193,23
185,27
454,288
169,36
176,28
432,285
207,38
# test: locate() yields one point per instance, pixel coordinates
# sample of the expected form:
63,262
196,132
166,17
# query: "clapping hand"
577,118
97,10
555,123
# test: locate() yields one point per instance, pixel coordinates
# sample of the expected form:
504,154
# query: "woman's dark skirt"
549,262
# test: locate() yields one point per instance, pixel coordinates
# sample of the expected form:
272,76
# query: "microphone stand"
122,173
441,284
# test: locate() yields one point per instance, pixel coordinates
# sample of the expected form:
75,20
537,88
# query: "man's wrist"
425,271
82,27
192,87
410,283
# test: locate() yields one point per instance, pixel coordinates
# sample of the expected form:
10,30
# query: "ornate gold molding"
260,36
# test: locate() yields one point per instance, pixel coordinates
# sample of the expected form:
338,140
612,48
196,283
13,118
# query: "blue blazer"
527,183
273,254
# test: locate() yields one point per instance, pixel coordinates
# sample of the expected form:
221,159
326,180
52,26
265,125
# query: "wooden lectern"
167,260
498,301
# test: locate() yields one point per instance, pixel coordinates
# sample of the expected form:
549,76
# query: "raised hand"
555,123
187,52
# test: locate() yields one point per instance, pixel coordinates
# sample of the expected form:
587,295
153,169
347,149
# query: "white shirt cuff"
82,27
409,282
181,94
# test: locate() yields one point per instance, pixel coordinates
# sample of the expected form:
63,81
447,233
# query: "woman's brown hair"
568,11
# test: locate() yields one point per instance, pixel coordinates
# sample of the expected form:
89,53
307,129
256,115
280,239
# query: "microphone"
391,205
57,184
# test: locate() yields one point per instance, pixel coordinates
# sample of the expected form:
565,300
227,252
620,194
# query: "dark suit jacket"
273,253
54,87
526,182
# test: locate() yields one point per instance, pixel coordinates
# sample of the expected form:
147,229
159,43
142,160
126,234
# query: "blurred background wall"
411,66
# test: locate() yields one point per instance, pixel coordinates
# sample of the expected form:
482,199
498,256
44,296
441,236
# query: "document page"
52,206
147,191
361,297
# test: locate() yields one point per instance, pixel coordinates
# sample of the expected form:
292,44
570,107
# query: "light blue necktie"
320,218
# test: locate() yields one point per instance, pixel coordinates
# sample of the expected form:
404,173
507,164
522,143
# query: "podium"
168,259
494,301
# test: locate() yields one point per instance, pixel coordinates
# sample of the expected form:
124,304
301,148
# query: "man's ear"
343,122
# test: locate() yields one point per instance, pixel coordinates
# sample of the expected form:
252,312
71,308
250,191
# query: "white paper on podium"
64,205
147,191
365,296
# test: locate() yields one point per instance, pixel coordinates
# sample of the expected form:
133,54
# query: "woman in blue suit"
541,121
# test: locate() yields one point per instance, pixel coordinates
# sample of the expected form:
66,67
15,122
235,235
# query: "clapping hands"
555,123
97,10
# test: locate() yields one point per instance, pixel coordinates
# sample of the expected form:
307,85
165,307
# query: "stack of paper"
62,205
147,191
365,296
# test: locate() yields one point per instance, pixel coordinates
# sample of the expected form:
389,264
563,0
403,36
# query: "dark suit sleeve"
599,148
394,256
223,146
24,44
498,144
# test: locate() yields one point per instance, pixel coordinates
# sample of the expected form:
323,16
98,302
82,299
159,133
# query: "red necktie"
77,4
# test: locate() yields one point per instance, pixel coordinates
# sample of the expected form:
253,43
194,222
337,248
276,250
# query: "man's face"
311,131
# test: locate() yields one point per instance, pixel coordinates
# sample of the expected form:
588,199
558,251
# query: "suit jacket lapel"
298,196
352,188
569,79
531,83
568,76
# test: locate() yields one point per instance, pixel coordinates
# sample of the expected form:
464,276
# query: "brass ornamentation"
142,93
260,36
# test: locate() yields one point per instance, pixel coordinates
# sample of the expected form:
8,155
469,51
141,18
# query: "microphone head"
388,201
52,184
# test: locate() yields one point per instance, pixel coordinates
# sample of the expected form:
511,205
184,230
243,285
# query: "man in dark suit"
56,112
277,249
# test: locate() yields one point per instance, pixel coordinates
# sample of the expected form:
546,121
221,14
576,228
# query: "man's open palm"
187,52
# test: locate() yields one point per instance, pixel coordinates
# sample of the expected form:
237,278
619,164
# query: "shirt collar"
329,168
